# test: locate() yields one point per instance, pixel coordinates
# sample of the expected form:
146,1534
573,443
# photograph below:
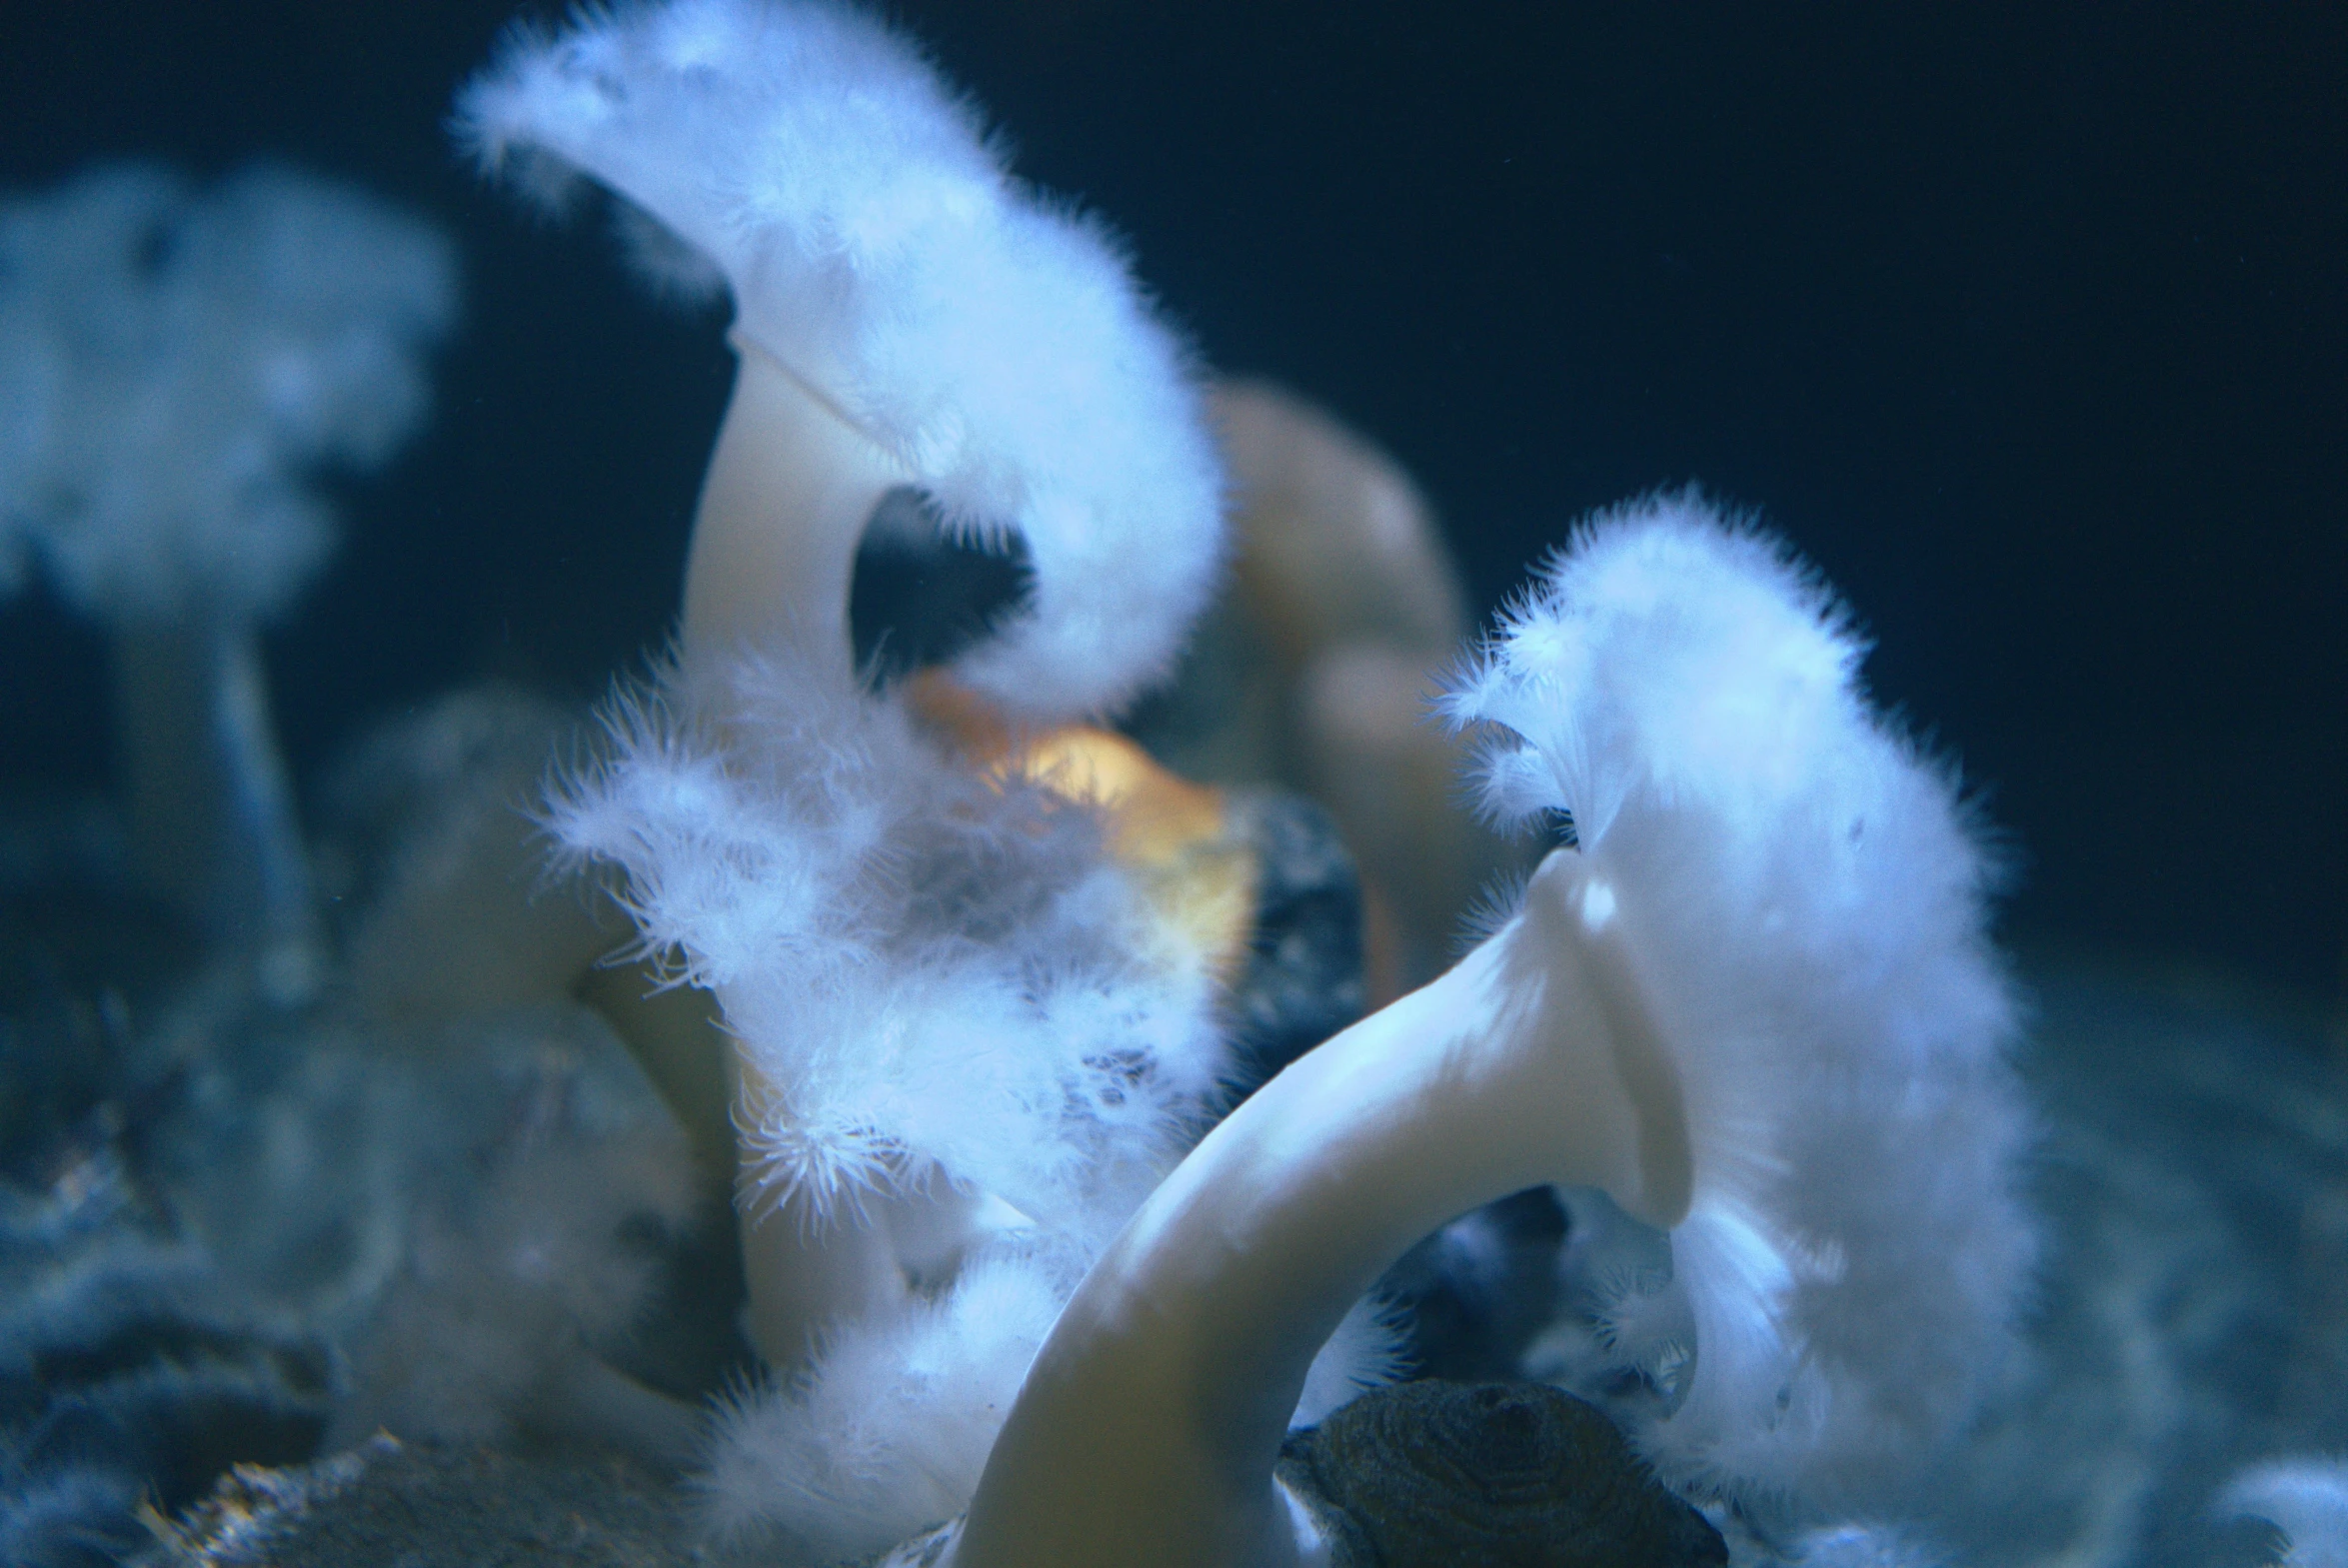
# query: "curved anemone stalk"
1751,1003
792,484
1147,1427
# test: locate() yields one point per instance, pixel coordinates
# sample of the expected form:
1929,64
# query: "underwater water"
2024,330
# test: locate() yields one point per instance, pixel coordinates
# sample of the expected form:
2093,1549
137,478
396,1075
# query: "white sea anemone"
176,368
1752,1001
909,318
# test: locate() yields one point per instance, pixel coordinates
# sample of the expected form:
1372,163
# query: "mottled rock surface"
1424,1475
2192,1315
1489,1475
394,1505
1302,981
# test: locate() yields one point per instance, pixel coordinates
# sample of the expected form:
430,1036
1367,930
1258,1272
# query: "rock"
1302,980
1489,1475
389,1504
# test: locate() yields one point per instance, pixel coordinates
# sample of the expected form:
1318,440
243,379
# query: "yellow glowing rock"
1173,836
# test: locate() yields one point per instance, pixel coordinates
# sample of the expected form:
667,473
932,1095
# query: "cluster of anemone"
1750,1001
1014,1261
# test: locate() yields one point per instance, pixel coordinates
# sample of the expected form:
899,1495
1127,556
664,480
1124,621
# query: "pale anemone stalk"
176,368
1750,999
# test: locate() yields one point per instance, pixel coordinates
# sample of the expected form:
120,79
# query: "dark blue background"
2026,324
